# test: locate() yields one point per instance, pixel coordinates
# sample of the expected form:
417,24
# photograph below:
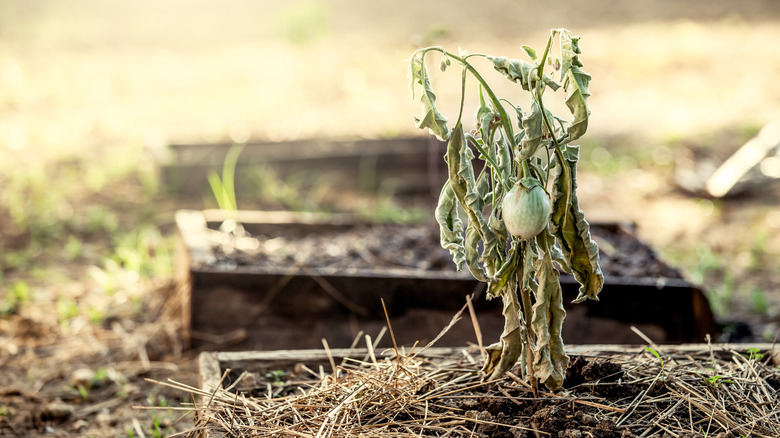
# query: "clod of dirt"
549,419
56,411
582,370
598,376
602,370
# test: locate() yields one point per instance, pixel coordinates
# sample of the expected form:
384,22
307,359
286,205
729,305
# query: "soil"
413,246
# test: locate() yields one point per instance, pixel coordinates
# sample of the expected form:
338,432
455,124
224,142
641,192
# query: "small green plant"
16,295
277,377
522,211
67,309
759,301
156,429
754,354
223,187
83,391
159,401
715,380
657,356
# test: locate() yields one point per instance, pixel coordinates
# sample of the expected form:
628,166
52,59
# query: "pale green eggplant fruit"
526,211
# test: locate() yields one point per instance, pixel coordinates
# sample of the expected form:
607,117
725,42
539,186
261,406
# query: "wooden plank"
596,349
213,364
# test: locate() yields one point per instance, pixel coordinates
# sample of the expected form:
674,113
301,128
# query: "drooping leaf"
483,117
575,82
577,101
473,237
569,51
414,72
550,360
547,240
460,170
494,233
531,52
533,129
528,272
504,160
450,225
431,117
507,272
503,355
568,225
464,187
521,71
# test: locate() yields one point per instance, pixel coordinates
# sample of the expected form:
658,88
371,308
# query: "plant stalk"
525,296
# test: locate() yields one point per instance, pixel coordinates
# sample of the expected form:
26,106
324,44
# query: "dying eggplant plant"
522,213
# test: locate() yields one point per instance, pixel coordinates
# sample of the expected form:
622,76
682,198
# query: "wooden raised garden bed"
611,391
403,165
306,277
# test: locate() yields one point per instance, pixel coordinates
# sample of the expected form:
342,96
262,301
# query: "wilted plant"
522,208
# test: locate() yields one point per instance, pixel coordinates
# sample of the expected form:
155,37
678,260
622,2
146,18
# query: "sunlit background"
92,92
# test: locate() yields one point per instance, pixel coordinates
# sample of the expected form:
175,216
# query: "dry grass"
702,391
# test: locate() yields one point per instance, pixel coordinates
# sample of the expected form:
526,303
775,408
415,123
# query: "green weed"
139,254
67,309
223,187
754,354
715,380
657,356
16,295
760,304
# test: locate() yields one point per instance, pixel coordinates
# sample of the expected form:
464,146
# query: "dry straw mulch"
709,390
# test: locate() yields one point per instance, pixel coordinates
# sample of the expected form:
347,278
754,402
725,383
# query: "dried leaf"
521,71
576,82
534,130
473,236
503,355
450,225
431,118
568,224
464,186
550,360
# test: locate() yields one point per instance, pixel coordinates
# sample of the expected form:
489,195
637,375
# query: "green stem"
567,177
482,151
462,94
526,169
540,68
505,121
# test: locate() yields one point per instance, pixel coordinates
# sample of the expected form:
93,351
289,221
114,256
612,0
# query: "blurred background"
92,92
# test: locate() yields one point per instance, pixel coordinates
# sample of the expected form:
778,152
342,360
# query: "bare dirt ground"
91,91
